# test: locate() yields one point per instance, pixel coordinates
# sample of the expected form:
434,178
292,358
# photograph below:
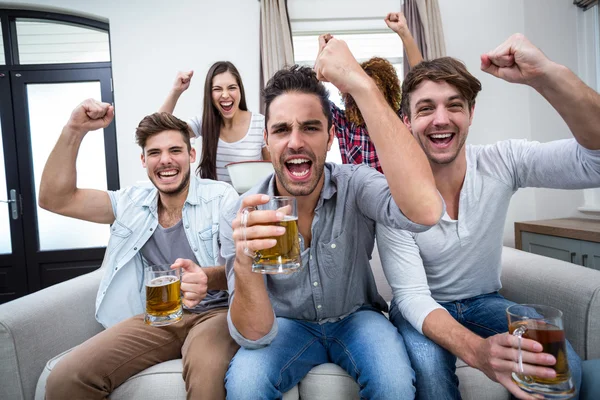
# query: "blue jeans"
364,343
435,367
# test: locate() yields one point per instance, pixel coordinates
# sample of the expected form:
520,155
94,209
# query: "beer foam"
289,218
162,281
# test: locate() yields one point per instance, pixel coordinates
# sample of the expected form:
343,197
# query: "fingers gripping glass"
284,257
544,325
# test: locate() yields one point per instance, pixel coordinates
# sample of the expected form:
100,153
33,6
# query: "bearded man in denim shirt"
175,222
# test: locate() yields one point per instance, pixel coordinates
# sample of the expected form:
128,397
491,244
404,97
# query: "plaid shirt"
356,146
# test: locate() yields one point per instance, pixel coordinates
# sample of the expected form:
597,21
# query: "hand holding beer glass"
163,295
284,257
544,325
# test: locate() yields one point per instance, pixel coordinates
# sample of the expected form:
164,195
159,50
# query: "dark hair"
212,119
385,77
446,69
300,79
158,122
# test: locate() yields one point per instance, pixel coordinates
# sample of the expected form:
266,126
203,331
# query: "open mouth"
168,175
299,169
227,106
441,140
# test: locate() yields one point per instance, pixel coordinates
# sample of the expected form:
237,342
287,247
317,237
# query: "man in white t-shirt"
446,280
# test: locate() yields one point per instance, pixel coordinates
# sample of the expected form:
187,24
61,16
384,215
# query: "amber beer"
552,339
543,324
163,296
285,255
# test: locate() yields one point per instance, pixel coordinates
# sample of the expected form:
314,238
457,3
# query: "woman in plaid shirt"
350,129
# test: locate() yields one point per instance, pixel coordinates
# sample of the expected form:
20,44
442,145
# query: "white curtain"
431,20
276,38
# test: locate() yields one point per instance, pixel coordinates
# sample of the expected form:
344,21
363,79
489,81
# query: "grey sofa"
46,324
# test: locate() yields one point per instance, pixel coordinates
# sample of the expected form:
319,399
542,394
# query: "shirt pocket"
118,235
335,256
209,238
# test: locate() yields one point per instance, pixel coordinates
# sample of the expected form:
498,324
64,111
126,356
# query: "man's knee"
66,378
248,378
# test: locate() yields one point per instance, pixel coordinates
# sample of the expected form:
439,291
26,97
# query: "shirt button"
187,227
135,248
195,249
314,283
319,306
116,268
113,228
333,246
150,229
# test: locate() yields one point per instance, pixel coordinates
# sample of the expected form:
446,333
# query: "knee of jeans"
247,376
400,386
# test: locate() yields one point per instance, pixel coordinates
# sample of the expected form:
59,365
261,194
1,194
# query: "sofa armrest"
37,327
530,278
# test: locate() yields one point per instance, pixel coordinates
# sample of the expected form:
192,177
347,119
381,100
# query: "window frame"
8,19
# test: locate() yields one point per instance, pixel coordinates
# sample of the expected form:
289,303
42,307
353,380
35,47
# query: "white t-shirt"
248,148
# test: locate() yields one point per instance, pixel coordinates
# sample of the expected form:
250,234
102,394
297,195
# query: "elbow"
429,216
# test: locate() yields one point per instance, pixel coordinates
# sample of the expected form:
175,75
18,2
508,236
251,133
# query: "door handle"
573,254
12,203
584,260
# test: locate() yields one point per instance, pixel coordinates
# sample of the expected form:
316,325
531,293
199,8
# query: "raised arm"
397,22
58,188
181,84
518,61
406,167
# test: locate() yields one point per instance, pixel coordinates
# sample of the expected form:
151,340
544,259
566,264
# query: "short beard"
295,190
179,189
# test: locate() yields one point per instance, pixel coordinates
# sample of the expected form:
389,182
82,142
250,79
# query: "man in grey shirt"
330,310
446,280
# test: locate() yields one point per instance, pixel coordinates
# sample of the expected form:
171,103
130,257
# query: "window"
366,38
53,42
362,45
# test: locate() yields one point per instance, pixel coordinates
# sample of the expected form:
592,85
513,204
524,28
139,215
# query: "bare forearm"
410,47
405,166
577,103
217,280
444,330
170,102
59,179
251,311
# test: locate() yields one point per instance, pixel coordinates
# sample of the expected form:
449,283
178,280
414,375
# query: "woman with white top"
230,133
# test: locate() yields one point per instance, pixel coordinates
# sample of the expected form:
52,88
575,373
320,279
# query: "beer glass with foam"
163,295
284,257
544,325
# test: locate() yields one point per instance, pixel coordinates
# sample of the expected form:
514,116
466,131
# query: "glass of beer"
163,295
284,257
544,325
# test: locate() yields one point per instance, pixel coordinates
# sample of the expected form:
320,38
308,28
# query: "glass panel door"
45,124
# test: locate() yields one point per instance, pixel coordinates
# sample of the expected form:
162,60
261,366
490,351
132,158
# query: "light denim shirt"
121,294
336,277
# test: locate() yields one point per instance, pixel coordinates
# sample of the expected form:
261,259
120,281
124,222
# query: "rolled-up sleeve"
404,271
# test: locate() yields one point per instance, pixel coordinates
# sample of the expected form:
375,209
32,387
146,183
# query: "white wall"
151,40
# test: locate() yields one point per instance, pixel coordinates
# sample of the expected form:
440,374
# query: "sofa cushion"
327,381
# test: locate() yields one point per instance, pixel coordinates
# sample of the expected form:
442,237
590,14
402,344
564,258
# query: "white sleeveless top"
247,148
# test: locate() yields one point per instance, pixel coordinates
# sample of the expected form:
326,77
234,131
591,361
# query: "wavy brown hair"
212,119
385,77
159,122
444,69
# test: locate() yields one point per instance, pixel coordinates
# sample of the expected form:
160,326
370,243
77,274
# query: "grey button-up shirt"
336,277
